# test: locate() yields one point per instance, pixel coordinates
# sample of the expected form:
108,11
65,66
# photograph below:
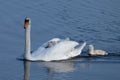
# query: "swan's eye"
26,20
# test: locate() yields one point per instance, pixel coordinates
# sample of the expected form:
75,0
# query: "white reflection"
26,70
58,67
62,67
52,67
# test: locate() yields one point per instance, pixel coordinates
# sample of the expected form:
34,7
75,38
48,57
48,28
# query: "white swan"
55,49
93,52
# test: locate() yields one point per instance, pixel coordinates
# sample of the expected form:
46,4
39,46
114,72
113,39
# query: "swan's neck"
27,43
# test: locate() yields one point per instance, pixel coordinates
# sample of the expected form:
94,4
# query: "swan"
54,49
93,52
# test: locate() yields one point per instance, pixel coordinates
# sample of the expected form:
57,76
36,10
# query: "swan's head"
27,22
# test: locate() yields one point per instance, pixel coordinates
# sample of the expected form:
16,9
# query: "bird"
53,50
93,52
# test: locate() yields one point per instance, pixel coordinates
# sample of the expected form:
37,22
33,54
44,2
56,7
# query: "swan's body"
93,52
55,49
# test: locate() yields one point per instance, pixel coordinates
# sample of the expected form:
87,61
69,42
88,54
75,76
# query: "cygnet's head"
91,47
27,22
55,40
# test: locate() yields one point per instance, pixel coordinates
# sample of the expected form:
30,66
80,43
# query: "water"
94,21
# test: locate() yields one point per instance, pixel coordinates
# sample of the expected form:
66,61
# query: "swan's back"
64,47
57,52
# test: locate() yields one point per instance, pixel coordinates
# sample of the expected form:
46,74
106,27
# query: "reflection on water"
52,67
79,67
56,70
59,67
27,70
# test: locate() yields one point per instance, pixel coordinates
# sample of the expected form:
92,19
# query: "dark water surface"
95,21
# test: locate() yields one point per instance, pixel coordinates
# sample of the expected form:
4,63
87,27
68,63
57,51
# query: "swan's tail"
82,46
79,50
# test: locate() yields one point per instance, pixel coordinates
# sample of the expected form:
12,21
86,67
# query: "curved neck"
27,43
91,48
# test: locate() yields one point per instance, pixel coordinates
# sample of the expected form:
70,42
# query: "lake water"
95,21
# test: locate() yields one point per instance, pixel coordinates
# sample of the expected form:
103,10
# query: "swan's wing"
58,52
38,52
42,49
77,51
62,48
